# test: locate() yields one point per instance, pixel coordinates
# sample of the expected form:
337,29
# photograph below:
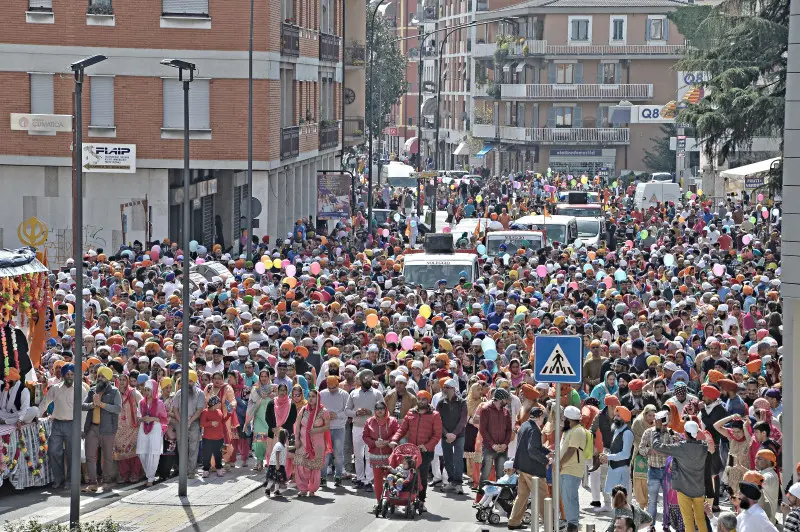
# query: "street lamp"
250,138
77,213
369,109
183,433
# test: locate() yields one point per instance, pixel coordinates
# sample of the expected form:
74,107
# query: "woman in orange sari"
310,431
128,464
227,396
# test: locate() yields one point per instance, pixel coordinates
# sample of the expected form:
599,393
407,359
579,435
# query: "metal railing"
355,55
328,136
578,134
328,48
603,49
577,91
290,142
354,127
290,40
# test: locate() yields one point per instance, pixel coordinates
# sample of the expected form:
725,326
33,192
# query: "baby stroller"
408,497
504,500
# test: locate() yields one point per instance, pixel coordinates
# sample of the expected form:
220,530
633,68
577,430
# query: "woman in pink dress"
310,430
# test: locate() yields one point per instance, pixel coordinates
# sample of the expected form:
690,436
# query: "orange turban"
332,380
13,374
766,454
424,394
715,376
755,477
624,413
529,392
710,392
754,366
611,400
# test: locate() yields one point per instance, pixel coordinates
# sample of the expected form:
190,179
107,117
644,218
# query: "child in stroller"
500,493
399,476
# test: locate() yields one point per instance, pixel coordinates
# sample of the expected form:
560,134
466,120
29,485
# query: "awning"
412,145
520,67
460,149
506,68
486,149
749,169
19,262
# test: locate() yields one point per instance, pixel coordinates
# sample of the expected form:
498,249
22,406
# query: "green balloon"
644,234
573,182
614,184
688,194
752,219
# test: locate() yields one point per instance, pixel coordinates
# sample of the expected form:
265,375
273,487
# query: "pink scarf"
150,410
312,417
283,406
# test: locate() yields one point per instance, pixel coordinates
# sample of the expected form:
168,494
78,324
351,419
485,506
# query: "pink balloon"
420,320
541,270
718,270
746,239
391,338
629,243
385,233
154,254
446,229
200,260
760,197
315,268
573,285
260,267
765,213
407,343
608,281
284,263
291,270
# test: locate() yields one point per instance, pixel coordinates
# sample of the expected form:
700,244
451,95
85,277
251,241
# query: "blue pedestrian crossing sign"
558,359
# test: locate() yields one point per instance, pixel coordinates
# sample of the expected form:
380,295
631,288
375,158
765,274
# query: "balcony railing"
355,55
290,40
577,92
290,142
328,48
602,49
578,135
484,131
354,128
329,136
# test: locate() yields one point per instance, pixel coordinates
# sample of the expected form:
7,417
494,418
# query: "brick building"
308,101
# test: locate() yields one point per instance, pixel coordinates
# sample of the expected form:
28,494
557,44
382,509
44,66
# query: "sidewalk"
205,497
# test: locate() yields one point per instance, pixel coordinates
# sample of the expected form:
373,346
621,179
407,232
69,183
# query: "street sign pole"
557,463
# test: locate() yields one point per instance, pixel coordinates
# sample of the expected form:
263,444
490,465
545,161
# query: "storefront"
577,161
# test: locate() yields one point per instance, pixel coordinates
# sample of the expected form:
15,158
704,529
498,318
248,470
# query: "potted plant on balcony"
526,50
493,90
309,116
291,21
100,8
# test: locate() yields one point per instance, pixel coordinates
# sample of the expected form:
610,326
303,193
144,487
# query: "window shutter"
666,29
578,73
577,116
599,73
575,30
102,101
42,94
185,7
551,117
173,104
647,31
40,4
551,73
199,108
599,120
618,73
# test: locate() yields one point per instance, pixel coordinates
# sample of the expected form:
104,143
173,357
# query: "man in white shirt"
15,400
360,406
334,399
753,518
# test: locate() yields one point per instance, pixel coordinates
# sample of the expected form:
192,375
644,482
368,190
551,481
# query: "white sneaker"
238,463
602,510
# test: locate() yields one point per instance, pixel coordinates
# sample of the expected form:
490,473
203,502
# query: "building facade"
308,101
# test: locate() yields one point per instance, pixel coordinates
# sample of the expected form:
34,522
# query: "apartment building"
308,104
546,83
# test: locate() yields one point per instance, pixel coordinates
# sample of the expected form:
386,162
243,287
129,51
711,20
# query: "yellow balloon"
521,310
699,192
478,198
425,310
584,180
267,263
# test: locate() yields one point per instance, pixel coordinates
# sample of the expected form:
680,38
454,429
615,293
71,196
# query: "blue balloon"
481,249
490,354
193,246
488,345
620,275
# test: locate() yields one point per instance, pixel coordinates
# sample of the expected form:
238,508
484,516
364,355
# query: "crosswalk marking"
240,521
255,503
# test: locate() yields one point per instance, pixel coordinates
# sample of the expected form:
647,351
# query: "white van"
562,229
649,194
513,240
427,269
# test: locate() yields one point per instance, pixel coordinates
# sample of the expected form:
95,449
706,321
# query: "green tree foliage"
744,52
661,158
389,77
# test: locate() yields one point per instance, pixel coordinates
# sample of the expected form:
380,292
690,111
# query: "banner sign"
333,196
753,182
109,158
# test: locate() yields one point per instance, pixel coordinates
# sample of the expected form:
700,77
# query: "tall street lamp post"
250,138
185,75
77,213
369,110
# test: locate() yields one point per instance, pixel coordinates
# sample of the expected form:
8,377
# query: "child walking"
212,421
276,471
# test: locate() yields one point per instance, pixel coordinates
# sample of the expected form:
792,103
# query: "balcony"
484,50
328,134
484,131
355,55
428,14
607,50
354,129
640,91
290,40
290,142
481,5
328,48
578,135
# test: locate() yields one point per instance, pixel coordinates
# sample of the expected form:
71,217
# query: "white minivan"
562,229
649,194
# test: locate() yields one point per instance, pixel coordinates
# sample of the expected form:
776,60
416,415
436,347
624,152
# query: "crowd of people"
315,360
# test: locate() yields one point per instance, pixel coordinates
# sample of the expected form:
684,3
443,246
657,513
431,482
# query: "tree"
389,77
661,158
744,53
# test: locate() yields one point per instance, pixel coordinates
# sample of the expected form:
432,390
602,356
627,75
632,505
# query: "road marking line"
255,503
240,521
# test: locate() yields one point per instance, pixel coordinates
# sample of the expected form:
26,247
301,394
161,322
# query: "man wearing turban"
713,410
15,400
104,403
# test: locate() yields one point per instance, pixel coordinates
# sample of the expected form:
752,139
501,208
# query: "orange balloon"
372,321
70,308
291,281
